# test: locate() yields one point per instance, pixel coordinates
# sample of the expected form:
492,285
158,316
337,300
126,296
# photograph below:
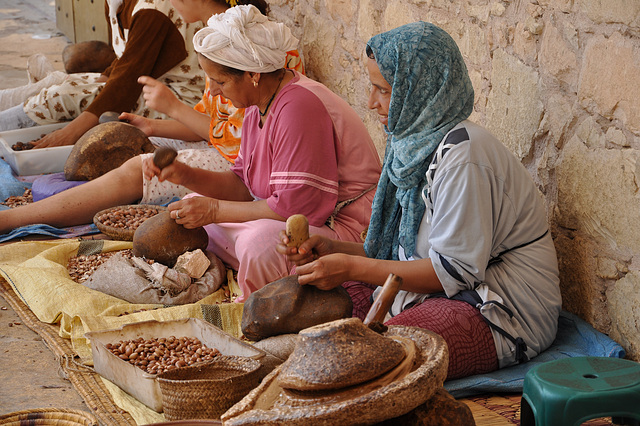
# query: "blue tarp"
52,231
49,231
9,185
575,338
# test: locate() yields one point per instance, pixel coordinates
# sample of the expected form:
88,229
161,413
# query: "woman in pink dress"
304,150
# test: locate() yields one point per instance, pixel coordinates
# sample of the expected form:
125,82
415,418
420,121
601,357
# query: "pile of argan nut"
82,266
127,217
21,146
19,200
157,355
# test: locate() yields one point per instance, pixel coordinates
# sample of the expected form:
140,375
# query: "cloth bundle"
136,281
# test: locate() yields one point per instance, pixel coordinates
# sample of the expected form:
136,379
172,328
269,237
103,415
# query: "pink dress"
313,156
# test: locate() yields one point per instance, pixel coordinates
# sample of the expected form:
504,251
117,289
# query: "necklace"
262,114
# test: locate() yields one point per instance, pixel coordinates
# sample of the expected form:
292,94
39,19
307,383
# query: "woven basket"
207,390
121,234
49,416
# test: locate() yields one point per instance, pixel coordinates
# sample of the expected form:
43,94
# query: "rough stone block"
609,79
623,300
588,202
514,108
193,263
612,11
557,56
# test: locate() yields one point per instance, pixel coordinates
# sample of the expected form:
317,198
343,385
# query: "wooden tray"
142,385
122,234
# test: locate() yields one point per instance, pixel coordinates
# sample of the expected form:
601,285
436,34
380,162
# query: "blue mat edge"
575,338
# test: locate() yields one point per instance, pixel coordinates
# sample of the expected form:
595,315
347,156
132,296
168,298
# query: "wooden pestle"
375,317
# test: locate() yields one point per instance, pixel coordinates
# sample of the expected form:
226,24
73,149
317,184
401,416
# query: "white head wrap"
245,39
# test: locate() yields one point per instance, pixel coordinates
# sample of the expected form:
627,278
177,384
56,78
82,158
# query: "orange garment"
225,128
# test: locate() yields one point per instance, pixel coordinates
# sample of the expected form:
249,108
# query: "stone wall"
558,81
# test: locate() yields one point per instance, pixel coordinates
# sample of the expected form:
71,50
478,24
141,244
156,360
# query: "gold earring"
255,83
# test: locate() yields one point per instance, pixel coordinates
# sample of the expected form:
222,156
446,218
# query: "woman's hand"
194,212
326,272
158,96
70,133
316,263
142,123
176,172
60,137
308,251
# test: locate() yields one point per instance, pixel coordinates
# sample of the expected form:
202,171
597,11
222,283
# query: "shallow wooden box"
142,385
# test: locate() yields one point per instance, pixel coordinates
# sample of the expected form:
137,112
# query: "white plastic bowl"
33,161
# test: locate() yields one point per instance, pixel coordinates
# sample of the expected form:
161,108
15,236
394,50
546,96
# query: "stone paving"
29,373
27,27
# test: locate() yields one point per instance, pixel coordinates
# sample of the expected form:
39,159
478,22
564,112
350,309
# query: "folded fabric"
575,338
47,185
51,231
10,186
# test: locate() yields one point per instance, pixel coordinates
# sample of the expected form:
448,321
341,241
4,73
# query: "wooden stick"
383,302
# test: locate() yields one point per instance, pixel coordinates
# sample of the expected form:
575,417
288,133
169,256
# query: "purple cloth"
48,185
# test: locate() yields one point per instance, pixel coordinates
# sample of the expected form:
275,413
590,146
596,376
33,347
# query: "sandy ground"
27,27
28,370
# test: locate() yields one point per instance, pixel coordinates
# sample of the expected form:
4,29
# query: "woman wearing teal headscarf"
455,215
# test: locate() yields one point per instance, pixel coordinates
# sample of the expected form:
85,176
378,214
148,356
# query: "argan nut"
297,230
163,156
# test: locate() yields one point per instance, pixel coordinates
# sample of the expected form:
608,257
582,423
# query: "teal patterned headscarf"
431,93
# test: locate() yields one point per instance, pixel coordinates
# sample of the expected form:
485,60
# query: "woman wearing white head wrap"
244,42
304,151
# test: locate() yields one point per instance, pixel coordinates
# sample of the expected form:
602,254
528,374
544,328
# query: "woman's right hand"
313,248
56,138
158,96
176,172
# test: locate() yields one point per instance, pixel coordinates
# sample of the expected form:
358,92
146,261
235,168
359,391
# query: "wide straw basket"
207,390
49,416
122,234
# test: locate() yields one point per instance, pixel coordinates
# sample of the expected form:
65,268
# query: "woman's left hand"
194,212
326,272
314,247
69,134
142,123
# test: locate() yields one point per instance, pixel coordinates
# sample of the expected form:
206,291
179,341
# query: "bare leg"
78,205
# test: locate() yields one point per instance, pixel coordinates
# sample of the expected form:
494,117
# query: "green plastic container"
570,391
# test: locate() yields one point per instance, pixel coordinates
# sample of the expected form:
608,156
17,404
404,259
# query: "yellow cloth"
141,414
37,271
